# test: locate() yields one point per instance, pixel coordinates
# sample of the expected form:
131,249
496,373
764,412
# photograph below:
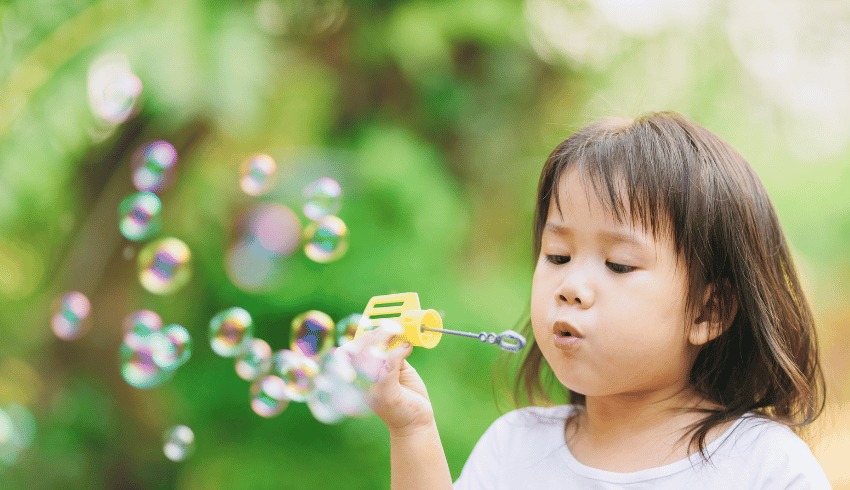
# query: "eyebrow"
605,235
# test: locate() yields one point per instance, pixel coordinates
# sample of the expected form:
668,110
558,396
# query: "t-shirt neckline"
649,473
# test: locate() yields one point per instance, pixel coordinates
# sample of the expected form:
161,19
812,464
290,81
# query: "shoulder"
775,456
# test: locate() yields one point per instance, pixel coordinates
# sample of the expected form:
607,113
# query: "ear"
711,323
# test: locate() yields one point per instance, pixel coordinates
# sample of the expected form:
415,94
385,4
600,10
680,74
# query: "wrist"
413,431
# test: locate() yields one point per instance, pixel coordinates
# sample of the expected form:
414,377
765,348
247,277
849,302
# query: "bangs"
625,165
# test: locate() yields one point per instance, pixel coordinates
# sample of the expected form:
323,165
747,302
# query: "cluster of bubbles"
164,265
150,353
265,234
71,315
316,369
17,430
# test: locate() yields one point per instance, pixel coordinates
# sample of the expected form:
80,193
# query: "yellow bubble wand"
424,328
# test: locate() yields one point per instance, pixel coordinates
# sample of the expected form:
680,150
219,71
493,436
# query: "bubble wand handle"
507,340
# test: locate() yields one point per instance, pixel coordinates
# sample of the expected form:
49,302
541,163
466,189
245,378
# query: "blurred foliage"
434,115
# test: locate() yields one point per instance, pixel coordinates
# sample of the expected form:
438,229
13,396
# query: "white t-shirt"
517,452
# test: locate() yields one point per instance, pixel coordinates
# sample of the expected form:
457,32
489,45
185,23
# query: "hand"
398,395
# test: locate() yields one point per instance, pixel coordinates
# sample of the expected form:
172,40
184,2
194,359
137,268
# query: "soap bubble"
17,431
312,333
346,387
322,198
297,372
231,332
138,216
370,360
320,402
71,315
268,396
347,327
153,166
179,442
182,342
146,320
383,350
165,266
257,174
256,361
250,267
327,239
262,235
142,358
274,227
113,89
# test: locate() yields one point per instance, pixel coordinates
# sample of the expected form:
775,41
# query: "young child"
667,305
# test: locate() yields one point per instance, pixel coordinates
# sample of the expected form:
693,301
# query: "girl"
667,305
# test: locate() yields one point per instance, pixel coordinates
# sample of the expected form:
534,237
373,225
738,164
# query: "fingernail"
406,345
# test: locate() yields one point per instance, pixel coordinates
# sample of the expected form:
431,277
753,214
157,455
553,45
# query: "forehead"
578,206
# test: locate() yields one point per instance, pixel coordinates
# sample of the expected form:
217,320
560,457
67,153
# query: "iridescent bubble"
138,216
344,383
268,398
256,361
370,360
179,442
165,266
142,356
113,89
153,166
312,333
347,327
327,239
145,320
297,372
320,402
257,174
71,315
182,342
231,332
322,198
382,350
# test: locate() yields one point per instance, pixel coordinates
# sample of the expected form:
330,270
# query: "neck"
634,418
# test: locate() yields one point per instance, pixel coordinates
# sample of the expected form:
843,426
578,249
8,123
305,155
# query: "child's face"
631,322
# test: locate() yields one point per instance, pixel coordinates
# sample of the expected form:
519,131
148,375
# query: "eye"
557,259
616,268
621,269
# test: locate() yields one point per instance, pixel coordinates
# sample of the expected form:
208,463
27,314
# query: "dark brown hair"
686,183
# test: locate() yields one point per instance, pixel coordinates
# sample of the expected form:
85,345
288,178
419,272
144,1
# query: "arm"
417,461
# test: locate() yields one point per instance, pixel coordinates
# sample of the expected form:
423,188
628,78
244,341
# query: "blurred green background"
435,116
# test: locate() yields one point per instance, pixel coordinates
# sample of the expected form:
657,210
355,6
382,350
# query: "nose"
573,289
